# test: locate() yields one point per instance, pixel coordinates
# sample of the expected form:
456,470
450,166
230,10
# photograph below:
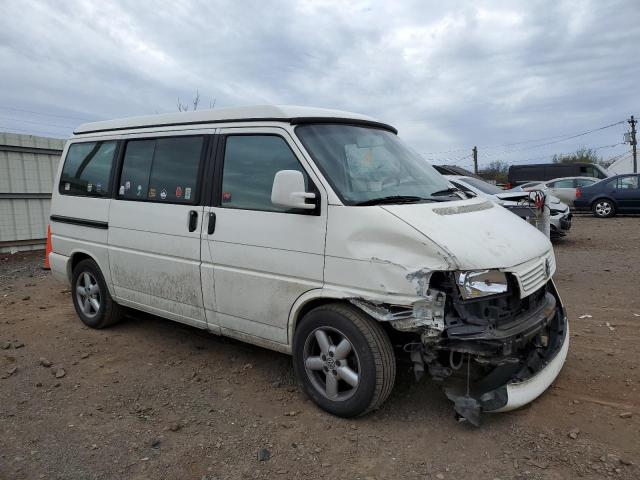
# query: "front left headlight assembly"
481,283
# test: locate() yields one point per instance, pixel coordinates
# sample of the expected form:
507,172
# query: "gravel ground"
149,398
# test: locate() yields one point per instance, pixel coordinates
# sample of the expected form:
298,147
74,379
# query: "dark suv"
619,194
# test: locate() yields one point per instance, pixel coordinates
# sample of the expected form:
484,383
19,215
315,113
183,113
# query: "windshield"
363,164
484,187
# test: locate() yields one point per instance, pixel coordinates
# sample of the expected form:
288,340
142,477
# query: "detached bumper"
519,394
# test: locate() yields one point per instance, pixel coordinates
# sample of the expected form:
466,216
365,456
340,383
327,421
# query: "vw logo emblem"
547,267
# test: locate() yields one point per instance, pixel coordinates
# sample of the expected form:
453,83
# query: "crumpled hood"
477,233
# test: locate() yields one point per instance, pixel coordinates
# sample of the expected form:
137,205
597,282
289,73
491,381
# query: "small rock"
155,443
44,362
292,413
60,372
174,427
325,465
84,355
263,455
440,476
18,345
573,433
12,370
5,345
25,298
626,415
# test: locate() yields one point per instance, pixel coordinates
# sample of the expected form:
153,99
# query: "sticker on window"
226,196
163,194
152,193
89,187
67,187
178,191
187,193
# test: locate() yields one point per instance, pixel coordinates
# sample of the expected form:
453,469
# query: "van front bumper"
512,385
520,393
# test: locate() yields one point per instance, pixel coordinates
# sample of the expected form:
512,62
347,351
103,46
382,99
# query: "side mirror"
288,190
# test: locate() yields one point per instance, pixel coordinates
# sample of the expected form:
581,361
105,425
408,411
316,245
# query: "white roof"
288,113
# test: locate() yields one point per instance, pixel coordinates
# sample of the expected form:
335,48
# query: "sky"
515,78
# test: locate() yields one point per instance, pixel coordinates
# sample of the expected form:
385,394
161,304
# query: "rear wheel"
603,208
344,360
91,297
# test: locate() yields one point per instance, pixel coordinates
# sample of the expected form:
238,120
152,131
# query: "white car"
312,232
559,213
563,188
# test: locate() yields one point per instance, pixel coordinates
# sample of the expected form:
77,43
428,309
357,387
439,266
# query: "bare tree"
184,107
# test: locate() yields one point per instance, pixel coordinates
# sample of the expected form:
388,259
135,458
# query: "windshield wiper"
393,199
446,191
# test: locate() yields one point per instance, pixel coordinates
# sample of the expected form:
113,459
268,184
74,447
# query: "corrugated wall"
28,165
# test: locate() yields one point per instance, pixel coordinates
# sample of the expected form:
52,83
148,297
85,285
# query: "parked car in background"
619,194
559,215
519,174
563,188
525,187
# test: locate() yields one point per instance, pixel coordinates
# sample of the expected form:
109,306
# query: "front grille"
534,275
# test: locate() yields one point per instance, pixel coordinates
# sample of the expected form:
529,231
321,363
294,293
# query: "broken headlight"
481,283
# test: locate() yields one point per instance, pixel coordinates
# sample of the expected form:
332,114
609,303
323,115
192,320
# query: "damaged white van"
316,233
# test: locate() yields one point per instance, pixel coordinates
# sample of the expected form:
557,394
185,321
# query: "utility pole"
475,158
633,122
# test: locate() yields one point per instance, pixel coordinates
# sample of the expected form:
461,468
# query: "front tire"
603,208
91,297
344,360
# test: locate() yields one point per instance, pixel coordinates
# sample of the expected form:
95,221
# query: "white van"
312,232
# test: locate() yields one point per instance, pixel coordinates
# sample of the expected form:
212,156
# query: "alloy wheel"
603,209
331,363
88,294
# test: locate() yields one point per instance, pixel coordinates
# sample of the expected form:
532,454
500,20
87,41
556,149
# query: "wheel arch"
79,255
307,302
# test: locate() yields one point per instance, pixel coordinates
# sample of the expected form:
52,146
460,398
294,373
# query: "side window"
250,164
162,169
562,184
87,169
584,182
625,183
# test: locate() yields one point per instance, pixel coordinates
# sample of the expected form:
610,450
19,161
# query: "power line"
32,132
46,114
561,138
69,127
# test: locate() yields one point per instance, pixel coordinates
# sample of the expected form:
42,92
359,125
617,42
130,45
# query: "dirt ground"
153,399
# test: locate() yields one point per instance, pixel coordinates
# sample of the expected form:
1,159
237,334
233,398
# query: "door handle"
193,220
212,223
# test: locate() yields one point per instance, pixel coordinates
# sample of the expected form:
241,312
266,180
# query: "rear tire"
603,208
91,297
344,360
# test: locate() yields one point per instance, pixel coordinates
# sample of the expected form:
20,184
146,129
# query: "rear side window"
162,169
87,169
250,164
625,183
584,182
562,184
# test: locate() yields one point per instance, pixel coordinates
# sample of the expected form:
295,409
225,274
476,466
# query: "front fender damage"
483,353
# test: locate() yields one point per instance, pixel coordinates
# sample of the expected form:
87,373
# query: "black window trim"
109,191
200,183
215,199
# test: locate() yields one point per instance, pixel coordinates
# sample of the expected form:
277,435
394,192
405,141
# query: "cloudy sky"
514,78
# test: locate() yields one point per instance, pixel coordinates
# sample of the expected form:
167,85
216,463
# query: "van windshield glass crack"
365,164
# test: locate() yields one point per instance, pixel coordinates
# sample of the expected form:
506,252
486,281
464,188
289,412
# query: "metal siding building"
28,166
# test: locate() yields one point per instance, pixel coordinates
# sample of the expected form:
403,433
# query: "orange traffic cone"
47,250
